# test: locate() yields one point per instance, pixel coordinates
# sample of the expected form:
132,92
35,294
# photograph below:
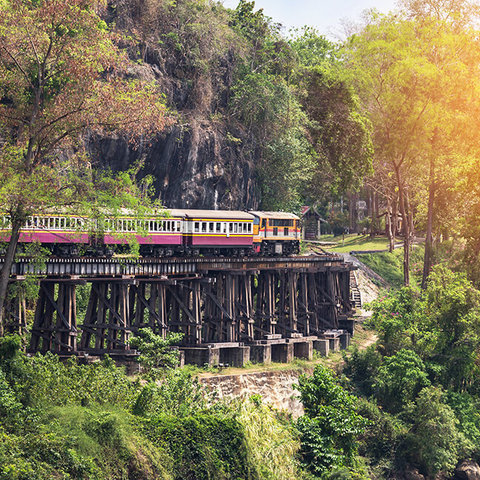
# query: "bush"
202,446
362,367
382,437
434,443
400,379
331,426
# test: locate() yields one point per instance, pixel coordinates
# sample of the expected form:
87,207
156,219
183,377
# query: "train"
165,233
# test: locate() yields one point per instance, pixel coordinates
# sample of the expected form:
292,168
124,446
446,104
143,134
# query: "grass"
354,242
390,265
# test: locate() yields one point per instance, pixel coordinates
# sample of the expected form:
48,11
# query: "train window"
285,231
230,227
235,227
211,227
197,227
256,221
249,228
275,230
264,223
218,227
204,227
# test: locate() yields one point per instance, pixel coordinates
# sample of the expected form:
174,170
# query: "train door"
263,228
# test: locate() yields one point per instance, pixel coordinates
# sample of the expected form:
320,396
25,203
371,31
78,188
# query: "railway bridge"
229,310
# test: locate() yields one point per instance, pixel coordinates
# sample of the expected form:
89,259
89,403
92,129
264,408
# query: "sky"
325,15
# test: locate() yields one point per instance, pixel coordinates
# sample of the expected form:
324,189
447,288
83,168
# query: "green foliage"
393,318
362,368
272,442
467,410
428,342
202,445
44,379
434,441
178,393
382,437
156,352
331,426
399,380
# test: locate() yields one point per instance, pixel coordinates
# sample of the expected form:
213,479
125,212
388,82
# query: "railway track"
102,266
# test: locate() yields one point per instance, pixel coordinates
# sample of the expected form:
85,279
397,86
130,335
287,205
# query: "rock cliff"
205,160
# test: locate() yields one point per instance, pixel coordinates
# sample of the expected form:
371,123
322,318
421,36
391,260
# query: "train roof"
213,214
279,215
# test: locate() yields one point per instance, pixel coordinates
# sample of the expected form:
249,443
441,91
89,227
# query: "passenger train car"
182,232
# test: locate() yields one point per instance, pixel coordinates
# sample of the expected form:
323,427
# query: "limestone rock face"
275,388
207,158
193,165
467,470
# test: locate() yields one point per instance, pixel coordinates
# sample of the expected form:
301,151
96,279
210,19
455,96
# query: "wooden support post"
55,323
15,311
303,305
107,320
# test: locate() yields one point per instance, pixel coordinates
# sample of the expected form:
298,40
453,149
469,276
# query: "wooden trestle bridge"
217,303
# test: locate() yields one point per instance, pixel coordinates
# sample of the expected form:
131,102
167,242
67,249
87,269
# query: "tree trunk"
405,228
389,226
7,266
373,224
394,221
427,260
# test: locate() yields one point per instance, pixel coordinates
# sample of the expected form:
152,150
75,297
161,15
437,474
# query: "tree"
400,379
156,352
434,441
61,73
337,129
416,73
330,427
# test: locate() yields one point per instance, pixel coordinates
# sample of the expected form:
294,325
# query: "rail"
99,266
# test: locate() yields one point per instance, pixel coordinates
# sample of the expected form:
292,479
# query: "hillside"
243,135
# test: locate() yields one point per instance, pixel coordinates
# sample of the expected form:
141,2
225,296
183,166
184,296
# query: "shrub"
400,379
362,367
434,443
271,440
331,426
202,446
